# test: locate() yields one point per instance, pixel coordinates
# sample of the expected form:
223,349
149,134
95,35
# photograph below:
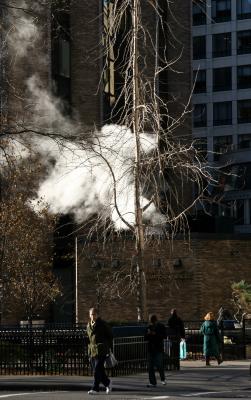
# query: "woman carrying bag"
211,343
100,343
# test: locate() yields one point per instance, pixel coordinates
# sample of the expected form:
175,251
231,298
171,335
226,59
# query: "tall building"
52,59
222,102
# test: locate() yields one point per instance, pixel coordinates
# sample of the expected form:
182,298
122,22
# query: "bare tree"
144,163
174,163
28,284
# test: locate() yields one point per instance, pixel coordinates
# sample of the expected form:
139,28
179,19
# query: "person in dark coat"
155,335
100,342
175,332
211,341
176,325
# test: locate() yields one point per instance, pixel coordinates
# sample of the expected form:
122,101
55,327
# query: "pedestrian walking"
175,332
155,335
100,342
211,343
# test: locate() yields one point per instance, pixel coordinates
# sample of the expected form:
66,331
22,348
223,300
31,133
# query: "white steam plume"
23,32
81,181
82,178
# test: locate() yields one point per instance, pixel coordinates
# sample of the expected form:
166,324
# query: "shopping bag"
110,361
183,349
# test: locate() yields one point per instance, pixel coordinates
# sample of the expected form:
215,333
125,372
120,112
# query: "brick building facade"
195,277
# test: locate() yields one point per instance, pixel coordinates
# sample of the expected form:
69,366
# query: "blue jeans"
155,360
99,374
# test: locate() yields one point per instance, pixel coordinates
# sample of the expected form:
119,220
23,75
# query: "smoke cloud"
97,179
88,177
23,32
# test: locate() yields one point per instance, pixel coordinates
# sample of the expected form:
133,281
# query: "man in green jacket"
100,343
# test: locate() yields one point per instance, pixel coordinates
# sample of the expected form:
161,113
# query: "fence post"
221,328
43,351
244,338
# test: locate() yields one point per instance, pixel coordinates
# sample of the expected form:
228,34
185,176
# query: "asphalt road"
229,381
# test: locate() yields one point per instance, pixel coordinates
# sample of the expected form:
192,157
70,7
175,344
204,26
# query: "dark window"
223,113
244,42
244,141
115,64
244,111
222,144
243,9
64,58
199,12
221,10
244,76
200,115
222,79
61,71
222,44
200,81
238,212
201,147
199,47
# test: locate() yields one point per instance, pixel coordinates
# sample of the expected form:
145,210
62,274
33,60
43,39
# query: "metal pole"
76,280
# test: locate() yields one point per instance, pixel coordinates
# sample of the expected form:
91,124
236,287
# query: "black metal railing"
235,340
34,351
62,350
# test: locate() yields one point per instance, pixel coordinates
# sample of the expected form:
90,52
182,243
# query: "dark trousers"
97,364
155,360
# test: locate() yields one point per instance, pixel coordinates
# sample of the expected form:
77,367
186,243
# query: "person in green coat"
211,344
100,342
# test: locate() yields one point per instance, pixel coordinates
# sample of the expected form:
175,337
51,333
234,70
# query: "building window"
243,9
222,144
221,10
201,147
244,76
115,62
200,81
244,111
199,47
238,211
199,12
200,115
61,56
222,113
64,58
222,79
244,42
222,44
244,141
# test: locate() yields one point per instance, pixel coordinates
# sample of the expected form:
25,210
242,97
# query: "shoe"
151,385
92,392
220,362
108,389
163,383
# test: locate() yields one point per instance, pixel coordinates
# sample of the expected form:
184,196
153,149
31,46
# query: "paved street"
194,380
231,380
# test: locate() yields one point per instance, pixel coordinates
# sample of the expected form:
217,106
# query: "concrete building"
222,101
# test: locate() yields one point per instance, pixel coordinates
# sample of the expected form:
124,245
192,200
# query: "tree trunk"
139,228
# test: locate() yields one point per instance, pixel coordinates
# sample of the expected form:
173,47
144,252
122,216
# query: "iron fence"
131,353
235,340
43,351
62,350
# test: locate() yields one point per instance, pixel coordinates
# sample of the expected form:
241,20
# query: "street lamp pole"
76,280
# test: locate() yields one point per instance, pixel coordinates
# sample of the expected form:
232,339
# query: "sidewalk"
236,372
